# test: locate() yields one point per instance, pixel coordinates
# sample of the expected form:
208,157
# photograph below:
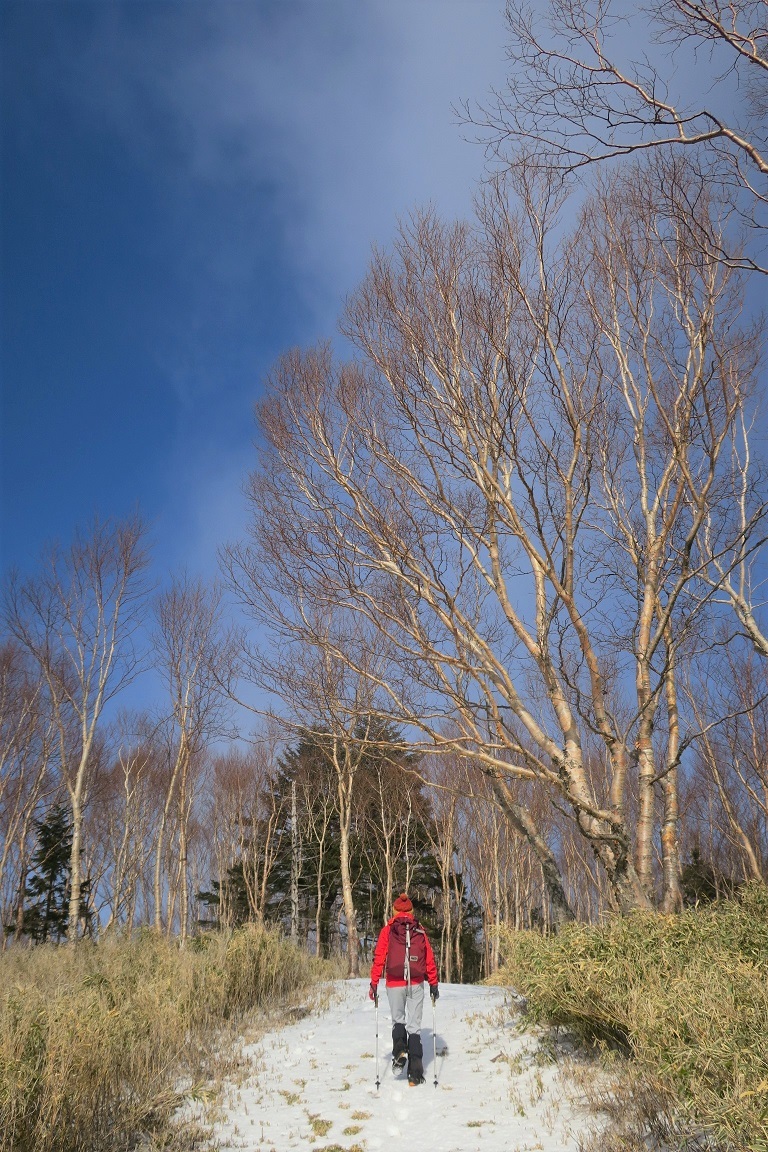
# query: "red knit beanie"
403,904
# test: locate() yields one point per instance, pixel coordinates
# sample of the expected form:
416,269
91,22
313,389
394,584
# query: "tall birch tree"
509,486
197,653
79,620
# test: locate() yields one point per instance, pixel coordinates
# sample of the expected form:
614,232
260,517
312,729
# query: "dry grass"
100,1043
685,996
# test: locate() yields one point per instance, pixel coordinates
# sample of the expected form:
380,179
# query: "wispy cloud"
337,115
285,135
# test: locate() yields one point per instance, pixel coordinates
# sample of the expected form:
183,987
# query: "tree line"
165,820
505,559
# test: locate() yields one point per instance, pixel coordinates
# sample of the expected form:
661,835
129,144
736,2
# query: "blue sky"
189,187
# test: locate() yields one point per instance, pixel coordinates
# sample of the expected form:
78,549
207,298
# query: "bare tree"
509,486
590,81
392,806
124,816
451,786
683,383
247,808
235,789
79,621
198,655
343,702
489,876
729,698
319,805
262,845
332,696
309,770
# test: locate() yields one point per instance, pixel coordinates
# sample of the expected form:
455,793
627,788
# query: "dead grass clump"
97,1040
685,996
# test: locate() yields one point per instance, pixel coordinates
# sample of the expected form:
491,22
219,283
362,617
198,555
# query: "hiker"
404,952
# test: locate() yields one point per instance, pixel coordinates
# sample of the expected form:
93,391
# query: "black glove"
434,992
373,993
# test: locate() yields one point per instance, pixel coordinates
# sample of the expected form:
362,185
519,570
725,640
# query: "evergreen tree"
307,765
234,889
391,841
702,883
46,913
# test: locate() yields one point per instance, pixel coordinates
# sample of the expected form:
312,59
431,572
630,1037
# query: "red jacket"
382,948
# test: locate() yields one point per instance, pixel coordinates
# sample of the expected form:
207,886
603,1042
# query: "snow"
312,1084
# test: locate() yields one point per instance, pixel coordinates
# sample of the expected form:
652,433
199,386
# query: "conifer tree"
46,917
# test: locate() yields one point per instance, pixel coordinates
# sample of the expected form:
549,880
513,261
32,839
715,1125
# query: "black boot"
399,1045
415,1060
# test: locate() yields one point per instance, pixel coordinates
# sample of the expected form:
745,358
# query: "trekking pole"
434,1041
376,1012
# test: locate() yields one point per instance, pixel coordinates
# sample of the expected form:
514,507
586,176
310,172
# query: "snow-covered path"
311,1085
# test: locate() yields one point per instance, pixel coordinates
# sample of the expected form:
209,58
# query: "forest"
494,632
259,826
501,593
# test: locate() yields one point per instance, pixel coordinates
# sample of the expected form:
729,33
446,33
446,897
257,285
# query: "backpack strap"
407,965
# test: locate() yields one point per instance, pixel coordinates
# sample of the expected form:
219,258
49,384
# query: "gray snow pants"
406,1005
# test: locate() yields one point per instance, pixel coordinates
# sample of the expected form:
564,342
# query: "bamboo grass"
95,1040
686,996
